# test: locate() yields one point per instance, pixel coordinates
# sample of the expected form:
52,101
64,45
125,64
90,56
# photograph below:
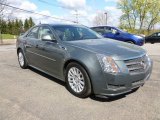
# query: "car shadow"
47,76
107,99
93,97
110,99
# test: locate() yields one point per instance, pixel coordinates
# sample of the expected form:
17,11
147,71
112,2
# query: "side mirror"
48,37
117,33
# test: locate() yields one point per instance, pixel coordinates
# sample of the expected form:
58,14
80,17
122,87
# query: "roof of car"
102,26
58,24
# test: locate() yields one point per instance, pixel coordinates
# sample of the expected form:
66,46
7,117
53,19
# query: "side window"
45,33
114,31
33,33
154,35
108,30
158,35
99,30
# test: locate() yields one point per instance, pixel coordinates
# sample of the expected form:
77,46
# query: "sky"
66,9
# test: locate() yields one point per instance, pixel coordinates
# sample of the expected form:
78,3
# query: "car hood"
118,50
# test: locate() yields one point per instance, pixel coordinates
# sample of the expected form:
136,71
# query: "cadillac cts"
87,62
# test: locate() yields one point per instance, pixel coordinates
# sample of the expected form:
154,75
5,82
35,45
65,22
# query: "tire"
77,80
130,42
21,59
135,89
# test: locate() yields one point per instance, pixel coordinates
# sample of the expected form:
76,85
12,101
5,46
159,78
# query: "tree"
139,14
154,15
16,28
9,27
100,18
2,8
3,26
26,25
30,22
20,26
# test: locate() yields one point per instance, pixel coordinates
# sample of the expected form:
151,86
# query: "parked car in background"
87,62
153,38
118,34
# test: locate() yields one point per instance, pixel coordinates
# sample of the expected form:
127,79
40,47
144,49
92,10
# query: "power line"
77,15
36,13
56,5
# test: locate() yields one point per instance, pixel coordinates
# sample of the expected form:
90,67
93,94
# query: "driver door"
51,52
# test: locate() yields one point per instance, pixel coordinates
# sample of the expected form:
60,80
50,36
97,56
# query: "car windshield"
73,33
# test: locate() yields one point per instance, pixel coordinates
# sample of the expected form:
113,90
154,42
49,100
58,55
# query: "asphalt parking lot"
31,95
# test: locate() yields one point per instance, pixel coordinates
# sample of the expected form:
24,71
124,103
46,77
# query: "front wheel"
135,89
77,80
22,60
130,42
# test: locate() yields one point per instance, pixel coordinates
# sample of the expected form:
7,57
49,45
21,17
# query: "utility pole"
106,17
76,14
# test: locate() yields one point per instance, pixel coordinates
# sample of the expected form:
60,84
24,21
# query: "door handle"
64,48
40,47
27,45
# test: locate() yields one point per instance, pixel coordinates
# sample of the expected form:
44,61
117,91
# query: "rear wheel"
135,89
21,59
77,80
130,42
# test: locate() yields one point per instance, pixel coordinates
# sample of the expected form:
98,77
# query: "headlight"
108,64
148,60
139,37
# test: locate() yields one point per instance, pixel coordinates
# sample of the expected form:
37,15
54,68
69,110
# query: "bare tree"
101,18
2,9
154,16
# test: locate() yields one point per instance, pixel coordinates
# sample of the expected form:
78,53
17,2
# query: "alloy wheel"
21,59
76,79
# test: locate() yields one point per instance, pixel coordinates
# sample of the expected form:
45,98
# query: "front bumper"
140,42
123,83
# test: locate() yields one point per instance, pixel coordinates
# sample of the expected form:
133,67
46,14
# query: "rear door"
117,35
109,33
30,45
105,31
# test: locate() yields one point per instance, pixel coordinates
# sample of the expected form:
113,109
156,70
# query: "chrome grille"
137,65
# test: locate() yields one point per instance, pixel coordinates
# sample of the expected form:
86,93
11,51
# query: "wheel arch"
18,49
130,40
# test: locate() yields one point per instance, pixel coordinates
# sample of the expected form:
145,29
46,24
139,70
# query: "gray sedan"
84,60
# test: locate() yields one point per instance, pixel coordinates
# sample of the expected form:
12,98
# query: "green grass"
8,36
